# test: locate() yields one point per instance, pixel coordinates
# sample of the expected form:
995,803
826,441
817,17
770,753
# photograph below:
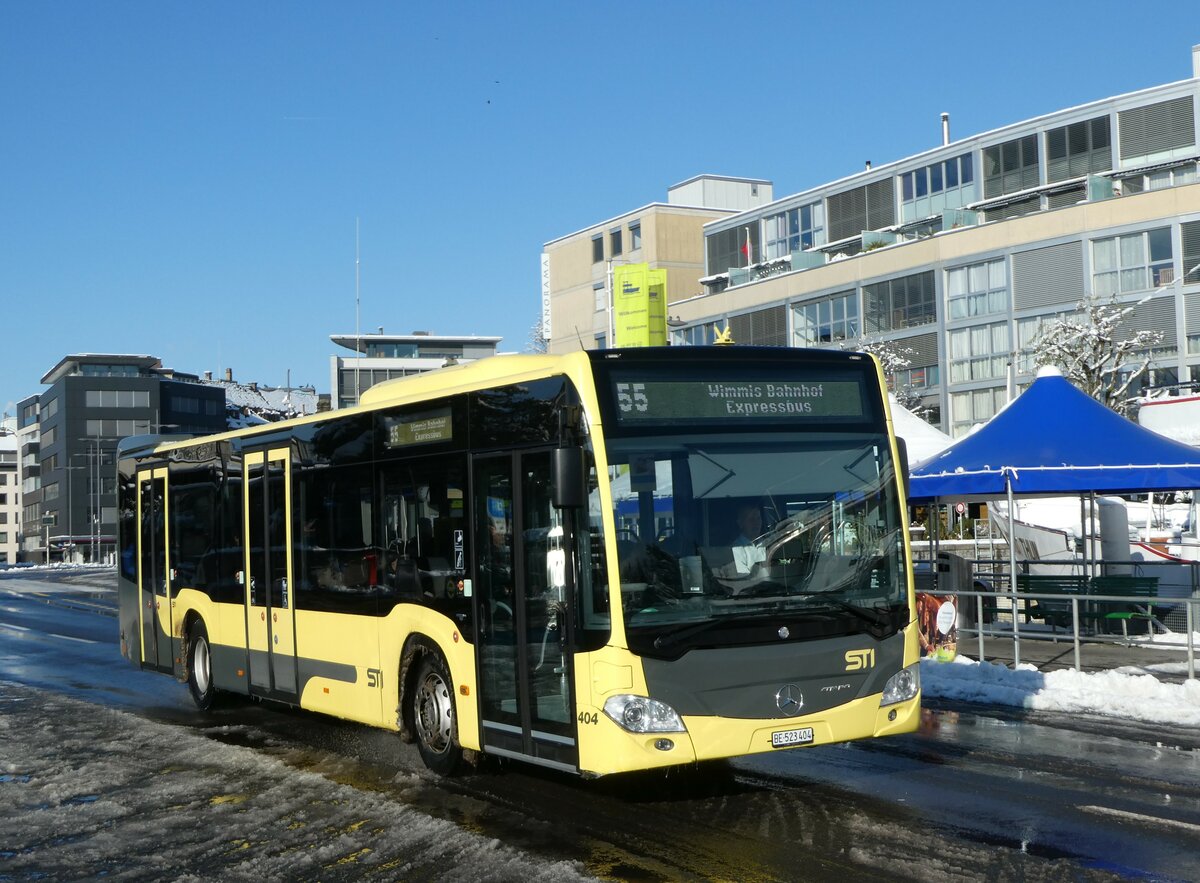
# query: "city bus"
544,558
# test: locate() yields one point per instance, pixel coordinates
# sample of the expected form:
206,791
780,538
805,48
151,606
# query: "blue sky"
184,179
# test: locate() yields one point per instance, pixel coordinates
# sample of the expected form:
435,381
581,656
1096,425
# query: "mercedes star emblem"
789,699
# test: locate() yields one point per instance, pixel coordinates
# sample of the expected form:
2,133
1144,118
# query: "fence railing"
1167,588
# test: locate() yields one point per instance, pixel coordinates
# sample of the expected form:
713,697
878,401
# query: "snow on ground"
1131,693
88,792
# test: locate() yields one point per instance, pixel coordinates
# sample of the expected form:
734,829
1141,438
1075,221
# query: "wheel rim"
201,666
434,712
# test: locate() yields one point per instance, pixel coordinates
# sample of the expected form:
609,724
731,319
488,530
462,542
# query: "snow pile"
1123,693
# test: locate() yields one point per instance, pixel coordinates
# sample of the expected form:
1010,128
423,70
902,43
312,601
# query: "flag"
746,247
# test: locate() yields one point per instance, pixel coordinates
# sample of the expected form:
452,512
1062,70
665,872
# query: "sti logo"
856,660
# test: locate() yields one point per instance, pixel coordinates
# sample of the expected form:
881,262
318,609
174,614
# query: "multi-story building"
92,402
961,254
10,499
381,357
29,474
577,269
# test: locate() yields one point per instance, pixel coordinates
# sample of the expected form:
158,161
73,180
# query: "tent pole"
1085,528
1012,568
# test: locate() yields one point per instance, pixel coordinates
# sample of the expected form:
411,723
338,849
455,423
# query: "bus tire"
200,682
434,723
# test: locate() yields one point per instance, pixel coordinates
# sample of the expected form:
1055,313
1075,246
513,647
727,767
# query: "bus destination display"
750,400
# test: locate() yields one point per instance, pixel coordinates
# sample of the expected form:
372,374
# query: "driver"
745,552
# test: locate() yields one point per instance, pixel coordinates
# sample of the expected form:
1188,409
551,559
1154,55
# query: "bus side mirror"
905,472
567,470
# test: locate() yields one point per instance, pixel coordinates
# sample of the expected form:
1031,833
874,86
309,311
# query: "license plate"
784,738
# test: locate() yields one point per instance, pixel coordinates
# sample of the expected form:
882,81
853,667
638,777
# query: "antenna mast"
357,333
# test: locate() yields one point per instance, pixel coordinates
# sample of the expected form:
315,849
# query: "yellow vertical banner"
640,305
656,285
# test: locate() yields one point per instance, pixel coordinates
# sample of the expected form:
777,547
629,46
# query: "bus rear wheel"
200,682
433,717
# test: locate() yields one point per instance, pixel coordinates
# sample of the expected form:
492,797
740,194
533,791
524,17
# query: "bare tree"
1096,351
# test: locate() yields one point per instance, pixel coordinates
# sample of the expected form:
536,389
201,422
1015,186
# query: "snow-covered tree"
895,358
1095,351
537,341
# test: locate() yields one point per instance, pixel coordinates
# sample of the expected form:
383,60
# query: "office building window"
117,398
1029,331
929,190
906,302
697,335
827,320
1158,132
1189,233
977,290
870,207
635,237
977,406
761,328
736,247
1078,149
796,229
50,409
600,296
1133,262
597,249
1010,167
614,238
979,353
117,428
49,436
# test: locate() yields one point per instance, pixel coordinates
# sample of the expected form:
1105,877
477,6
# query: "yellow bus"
597,562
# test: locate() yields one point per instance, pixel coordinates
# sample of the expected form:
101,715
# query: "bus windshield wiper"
870,615
669,639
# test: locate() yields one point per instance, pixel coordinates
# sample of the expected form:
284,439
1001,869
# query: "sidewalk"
1167,661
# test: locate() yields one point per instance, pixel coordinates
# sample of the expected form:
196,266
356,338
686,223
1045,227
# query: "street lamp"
71,504
94,508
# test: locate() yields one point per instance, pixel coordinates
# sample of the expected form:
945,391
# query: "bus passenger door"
270,621
155,607
522,562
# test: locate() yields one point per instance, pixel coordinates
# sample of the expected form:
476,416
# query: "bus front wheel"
200,682
433,717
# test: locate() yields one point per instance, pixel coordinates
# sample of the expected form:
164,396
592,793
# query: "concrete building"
29,474
960,254
381,357
10,499
93,401
577,268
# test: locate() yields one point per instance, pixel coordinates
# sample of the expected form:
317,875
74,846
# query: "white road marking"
21,628
1140,817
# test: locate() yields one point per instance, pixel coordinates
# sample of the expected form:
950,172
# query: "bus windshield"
715,530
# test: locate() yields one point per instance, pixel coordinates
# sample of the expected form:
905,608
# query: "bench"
1123,612
1052,611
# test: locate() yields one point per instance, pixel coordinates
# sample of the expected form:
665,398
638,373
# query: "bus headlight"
639,714
902,686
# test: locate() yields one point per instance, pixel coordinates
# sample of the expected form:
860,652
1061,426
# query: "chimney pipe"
208,375
868,165
945,129
229,375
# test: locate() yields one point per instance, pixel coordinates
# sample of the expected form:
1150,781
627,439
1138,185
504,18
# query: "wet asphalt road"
976,794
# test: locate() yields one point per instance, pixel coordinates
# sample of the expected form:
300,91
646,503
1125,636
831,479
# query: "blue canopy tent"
1055,439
